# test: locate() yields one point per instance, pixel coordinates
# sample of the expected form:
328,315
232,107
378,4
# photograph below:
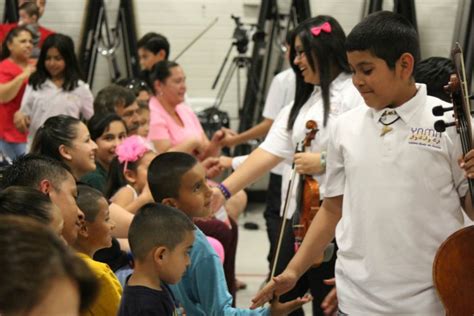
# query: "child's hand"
225,162
278,285
329,304
286,308
467,163
212,167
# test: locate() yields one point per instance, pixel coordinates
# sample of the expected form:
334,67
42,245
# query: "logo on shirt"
425,137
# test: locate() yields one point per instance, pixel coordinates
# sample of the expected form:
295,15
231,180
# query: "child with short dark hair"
160,239
29,13
177,179
95,234
395,190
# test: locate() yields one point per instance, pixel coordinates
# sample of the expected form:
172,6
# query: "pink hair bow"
132,149
325,27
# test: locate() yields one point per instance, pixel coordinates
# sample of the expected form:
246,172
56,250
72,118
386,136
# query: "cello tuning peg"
440,126
439,110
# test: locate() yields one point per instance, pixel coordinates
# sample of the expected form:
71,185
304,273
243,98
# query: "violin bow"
289,190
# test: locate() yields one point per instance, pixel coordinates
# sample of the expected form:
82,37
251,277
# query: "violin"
453,266
310,190
309,197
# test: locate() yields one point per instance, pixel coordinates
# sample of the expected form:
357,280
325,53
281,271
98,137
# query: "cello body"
453,272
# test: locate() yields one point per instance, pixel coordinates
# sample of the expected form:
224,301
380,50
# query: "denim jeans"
12,150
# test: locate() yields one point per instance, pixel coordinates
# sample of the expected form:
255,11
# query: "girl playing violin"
323,91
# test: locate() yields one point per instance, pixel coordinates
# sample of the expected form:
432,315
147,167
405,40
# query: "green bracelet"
323,160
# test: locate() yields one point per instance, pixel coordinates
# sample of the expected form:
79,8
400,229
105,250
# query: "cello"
453,266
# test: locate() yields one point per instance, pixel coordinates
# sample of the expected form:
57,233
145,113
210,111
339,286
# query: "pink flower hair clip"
132,149
325,27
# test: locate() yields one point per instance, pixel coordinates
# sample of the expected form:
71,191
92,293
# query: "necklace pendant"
385,130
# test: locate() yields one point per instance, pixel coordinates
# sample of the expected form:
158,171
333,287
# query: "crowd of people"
109,204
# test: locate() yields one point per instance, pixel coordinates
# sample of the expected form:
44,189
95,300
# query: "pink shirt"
164,127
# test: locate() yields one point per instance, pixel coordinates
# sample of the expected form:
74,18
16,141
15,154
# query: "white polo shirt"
280,94
282,143
401,201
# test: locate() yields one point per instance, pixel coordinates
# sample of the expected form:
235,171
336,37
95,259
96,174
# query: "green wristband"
323,160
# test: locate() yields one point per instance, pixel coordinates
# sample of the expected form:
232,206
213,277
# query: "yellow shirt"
110,290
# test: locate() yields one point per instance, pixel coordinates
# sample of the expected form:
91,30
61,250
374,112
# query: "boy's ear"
406,63
64,152
45,186
170,202
159,254
130,176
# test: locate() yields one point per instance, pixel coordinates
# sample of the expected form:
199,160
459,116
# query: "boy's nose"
357,81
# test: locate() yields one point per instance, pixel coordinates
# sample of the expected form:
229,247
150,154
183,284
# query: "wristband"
323,160
225,192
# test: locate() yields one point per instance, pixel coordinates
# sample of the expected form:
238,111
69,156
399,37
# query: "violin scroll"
312,128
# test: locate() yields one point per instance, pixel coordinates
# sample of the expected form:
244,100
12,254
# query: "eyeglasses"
300,54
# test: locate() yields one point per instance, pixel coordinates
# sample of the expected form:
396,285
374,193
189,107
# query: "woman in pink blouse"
173,124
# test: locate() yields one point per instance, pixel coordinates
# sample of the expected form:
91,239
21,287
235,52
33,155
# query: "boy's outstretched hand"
277,308
277,286
212,167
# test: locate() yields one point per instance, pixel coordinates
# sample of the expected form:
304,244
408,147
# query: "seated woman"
66,139
175,127
173,124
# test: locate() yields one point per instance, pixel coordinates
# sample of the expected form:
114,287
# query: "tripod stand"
237,63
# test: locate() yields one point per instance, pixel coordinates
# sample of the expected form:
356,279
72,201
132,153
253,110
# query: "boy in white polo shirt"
395,190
